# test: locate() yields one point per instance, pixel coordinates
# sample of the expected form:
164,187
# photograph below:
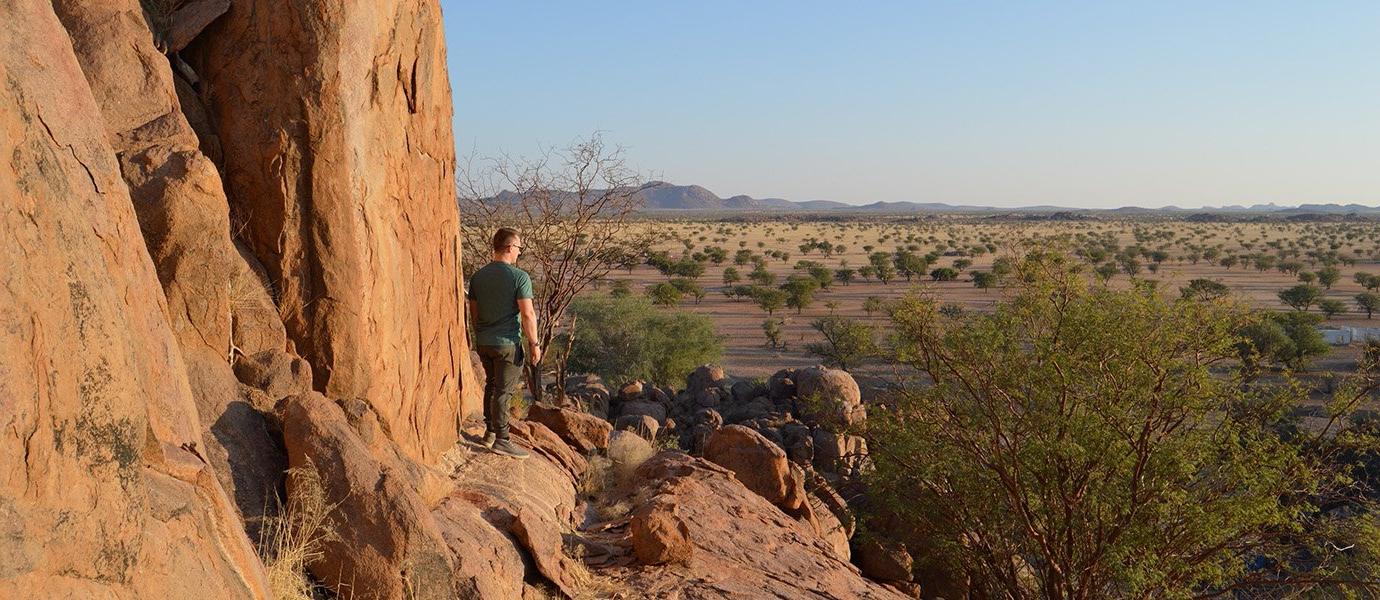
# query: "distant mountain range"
663,196
659,195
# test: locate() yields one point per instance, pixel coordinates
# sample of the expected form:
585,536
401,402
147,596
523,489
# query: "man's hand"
534,349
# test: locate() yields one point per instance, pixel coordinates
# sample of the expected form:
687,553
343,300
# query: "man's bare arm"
529,328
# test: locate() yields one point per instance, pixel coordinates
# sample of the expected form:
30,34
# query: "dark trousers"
502,372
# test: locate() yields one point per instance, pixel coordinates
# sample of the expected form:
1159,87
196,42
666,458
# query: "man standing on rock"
500,301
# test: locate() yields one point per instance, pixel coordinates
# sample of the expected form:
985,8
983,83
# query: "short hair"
503,238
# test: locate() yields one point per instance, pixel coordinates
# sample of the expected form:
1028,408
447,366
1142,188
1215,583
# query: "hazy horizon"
1082,105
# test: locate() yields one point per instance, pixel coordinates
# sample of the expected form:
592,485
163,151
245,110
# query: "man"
500,303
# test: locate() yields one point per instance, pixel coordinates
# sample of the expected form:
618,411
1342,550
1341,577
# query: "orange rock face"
103,492
727,541
335,124
184,218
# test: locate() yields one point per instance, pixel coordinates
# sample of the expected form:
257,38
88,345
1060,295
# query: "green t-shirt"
496,288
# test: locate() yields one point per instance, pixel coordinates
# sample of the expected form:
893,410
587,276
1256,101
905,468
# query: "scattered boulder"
545,442
642,425
756,408
767,428
746,391
781,385
660,395
276,372
829,397
761,466
739,545
883,560
838,453
704,423
590,393
659,535
709,398
705,377
799,443
829,529
583,431
631,391
710,417
833,529
654,410
541,537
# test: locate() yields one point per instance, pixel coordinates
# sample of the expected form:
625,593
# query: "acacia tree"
772,328
1077,443
1369,302
768,299
846,342
1301,297
575,210
800,292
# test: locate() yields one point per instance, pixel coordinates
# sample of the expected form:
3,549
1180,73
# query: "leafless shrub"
574,209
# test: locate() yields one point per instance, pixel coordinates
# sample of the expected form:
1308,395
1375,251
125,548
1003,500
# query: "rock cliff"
105,489
334,120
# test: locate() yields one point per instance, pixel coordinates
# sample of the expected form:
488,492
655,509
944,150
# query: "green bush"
1290,339
621,339
1204,289
1080,441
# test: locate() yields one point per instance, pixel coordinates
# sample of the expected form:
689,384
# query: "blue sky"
1089,104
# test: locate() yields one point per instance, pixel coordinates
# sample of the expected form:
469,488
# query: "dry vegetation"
294,536
1254,260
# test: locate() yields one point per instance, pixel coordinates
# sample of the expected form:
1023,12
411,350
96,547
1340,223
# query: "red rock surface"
583,431
104,492
507,520
335,125
184,218
761,466
386,541
743,547
659,535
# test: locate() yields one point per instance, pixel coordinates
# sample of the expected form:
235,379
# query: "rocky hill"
663,196
659,195
232,284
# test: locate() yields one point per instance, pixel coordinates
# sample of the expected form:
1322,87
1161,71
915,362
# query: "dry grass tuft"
606,483
293,538
587,584
247,292
597,478
627,452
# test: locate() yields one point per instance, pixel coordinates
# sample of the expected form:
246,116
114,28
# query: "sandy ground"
739,321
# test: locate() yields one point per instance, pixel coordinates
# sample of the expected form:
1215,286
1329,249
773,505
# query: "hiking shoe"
489,439
509,448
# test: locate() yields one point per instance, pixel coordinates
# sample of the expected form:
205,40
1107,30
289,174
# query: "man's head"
507,245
